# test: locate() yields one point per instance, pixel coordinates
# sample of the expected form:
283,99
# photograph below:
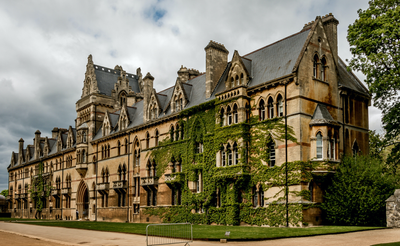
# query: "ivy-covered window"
222,115
235,154
355,148
261,110
229,153
156,138
280,106
255,197
176,196
171,133
235,114
271,148
199,148
319,145
223,159
311,190
229,114
177,132
270,108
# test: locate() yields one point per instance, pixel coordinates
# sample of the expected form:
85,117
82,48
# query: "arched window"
156,138
83,156
255,197
280,106
84,137
171,133
223,158
102,152
232,82
147,140
177,132
241,79
118,148
237,80
108,151
181,103
319,145
315,66
229,153
270,108
107,176
222,115
261,110
229,113
235,114
323,69
235,154
126,146
122,98
355,148
136,157
119,173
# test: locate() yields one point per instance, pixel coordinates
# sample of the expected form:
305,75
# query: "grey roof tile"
322,116
276,60
349,80
106,79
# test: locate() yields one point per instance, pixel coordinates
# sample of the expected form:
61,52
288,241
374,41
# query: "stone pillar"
393,210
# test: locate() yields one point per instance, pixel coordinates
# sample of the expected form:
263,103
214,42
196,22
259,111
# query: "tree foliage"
358,192
375,44
4,192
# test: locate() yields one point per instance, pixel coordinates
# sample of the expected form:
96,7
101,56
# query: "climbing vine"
203,138
39,191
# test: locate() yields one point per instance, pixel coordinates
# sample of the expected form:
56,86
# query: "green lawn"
205,231
388,244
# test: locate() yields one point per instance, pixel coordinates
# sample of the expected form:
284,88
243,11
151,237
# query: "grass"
205,231
388,244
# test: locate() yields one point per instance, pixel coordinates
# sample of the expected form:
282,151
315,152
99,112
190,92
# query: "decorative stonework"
393,210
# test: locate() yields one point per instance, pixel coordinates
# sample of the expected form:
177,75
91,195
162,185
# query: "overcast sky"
45,44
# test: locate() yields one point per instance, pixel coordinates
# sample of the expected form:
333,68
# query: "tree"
377,146
358,192
375,44
4,193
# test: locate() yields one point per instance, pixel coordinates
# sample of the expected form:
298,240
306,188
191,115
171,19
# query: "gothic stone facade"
106,167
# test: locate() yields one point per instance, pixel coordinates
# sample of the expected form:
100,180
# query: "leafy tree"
377,145
358,192
4,192
375,44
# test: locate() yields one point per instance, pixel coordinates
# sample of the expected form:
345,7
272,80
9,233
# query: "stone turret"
147,89
216,61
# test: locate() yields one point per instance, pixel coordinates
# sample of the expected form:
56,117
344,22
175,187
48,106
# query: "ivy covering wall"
235,182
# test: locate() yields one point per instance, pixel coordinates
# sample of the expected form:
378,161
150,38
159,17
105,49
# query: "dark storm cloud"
45,44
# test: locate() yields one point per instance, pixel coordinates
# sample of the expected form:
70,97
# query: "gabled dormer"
70,138
13,159
154,108
238,73
60,144
179,97
123,120
106,128
46,147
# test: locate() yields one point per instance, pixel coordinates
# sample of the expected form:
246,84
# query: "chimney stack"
147,89
37,144
216,61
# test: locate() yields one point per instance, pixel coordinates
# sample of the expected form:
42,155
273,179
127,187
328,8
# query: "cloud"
44,48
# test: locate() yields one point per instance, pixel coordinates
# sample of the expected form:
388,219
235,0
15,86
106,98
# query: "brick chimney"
216,61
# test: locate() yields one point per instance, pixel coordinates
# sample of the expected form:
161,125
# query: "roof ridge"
166,89
275,42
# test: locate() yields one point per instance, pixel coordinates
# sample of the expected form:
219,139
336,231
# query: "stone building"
194,152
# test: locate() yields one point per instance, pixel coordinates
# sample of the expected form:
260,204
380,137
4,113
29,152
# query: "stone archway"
82,202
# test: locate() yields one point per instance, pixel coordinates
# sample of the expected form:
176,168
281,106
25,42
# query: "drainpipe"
95,191
62,196
286,160
127,192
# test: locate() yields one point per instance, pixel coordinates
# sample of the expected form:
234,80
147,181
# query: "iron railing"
169,233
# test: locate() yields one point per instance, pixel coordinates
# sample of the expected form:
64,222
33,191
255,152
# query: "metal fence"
173,233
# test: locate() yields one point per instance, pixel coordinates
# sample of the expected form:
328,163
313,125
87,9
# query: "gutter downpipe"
129,164
286,160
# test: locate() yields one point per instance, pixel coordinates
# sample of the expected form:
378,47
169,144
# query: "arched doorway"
83,201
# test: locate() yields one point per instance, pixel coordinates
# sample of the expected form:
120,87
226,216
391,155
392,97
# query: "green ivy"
199,125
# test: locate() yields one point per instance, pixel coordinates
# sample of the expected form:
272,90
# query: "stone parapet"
393,210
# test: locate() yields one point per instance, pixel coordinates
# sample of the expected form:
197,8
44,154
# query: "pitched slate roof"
349,80
107,77
276,60
322,116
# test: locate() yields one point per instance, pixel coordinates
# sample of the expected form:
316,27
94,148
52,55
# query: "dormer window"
122,99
